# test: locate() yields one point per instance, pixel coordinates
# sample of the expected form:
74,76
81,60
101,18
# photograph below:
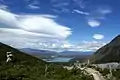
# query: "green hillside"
27,67
18,56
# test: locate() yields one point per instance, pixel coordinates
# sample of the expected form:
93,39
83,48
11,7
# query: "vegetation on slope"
27,67
37,72
113,74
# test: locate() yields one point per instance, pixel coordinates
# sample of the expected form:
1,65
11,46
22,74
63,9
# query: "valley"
58,66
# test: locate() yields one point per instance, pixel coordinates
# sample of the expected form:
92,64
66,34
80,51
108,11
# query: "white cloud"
98,36
35,23
34,5
65,10
66,45
4,7
81,12
8,18
49,16
93,23
34,31
44,25
24,39
80,3
31,6
61,4
83,46
91,45
104,10
95,17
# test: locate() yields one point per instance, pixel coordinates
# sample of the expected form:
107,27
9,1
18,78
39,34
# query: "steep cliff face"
108,53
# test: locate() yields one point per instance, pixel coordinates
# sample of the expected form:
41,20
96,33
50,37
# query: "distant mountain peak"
38,52
115,41
116,38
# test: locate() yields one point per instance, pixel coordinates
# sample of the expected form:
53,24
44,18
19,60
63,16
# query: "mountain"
74,53
39,53
108,53
18,56
27,67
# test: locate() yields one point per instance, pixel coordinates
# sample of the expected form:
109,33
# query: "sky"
75,25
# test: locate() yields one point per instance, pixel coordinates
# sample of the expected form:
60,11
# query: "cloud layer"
31,30
41,24
83,46
43,32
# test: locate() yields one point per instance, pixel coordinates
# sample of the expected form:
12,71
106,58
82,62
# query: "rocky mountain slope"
108,53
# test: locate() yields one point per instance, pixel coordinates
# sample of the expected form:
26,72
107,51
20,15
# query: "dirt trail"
96,74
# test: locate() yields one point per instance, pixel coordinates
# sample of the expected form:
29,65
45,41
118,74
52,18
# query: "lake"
58,59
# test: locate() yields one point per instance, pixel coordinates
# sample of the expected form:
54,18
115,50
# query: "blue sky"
80,25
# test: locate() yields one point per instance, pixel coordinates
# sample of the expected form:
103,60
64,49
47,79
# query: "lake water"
58,59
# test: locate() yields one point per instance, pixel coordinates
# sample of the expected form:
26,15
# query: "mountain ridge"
108,53
17,55
39,53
